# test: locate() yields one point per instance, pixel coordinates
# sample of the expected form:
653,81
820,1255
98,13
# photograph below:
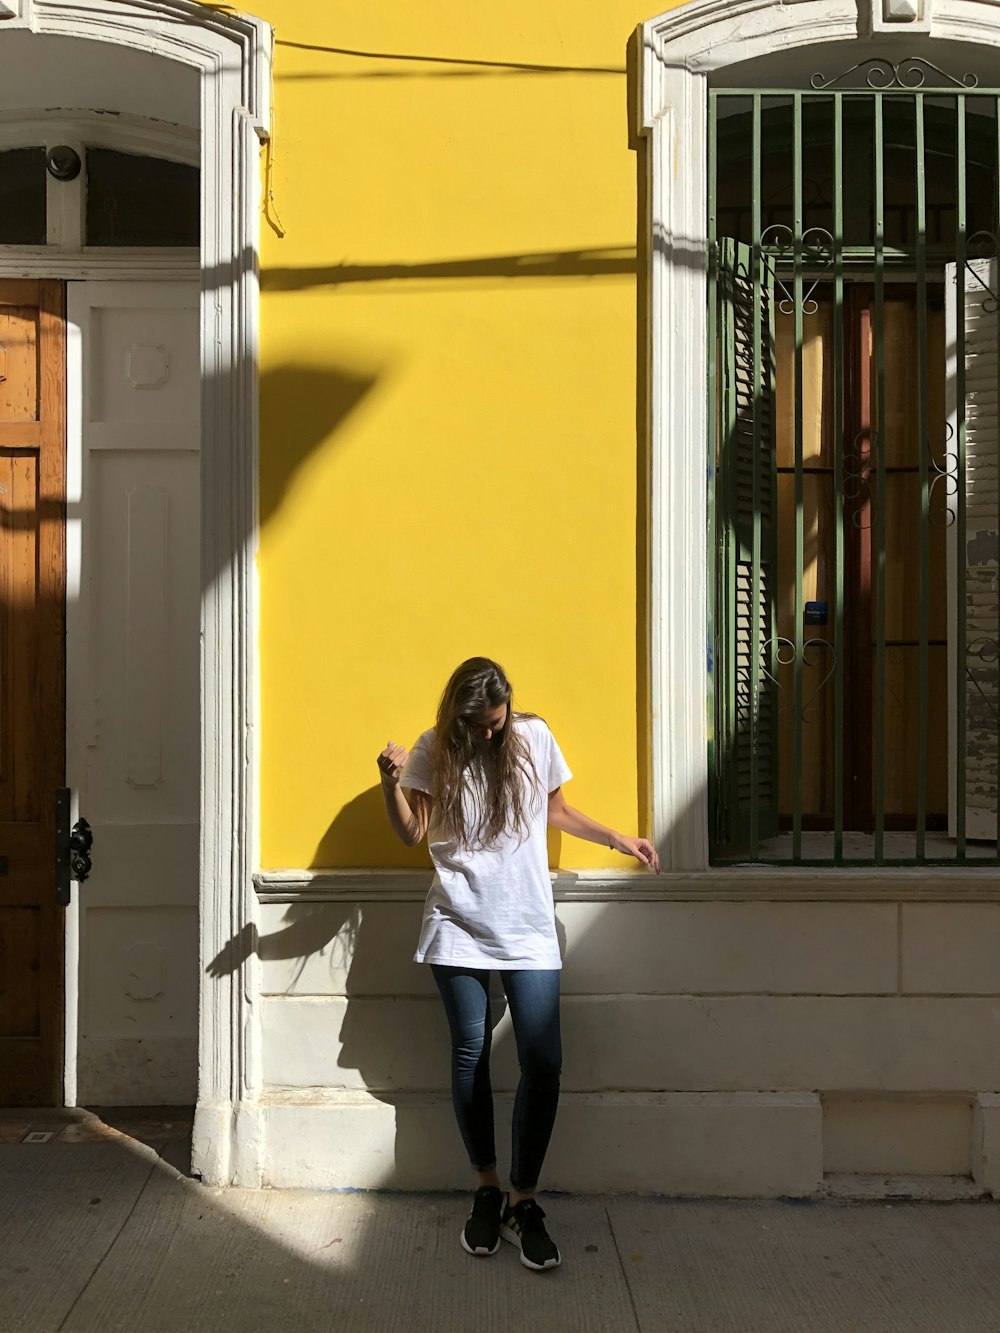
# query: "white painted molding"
680,51
235,49
233,53
739,884
21,261
678,532
9,9
966,21
705,35
129,134
894,15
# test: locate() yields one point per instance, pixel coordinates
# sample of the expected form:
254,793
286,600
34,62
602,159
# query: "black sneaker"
522,1225
481,1233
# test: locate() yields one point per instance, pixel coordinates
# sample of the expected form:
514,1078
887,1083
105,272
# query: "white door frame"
234,55
680,51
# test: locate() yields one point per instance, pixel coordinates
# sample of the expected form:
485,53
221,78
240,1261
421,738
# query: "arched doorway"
225,61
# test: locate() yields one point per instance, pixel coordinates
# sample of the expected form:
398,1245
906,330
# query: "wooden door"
32,674
864,525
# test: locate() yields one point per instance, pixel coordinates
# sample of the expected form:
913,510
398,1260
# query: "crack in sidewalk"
621,1265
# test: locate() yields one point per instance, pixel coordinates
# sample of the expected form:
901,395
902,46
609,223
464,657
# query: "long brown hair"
494,771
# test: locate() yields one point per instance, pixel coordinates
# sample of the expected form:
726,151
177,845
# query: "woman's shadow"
382,1029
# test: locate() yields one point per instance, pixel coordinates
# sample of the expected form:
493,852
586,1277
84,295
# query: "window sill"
717,884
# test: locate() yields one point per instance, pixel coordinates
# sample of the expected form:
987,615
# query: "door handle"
72,848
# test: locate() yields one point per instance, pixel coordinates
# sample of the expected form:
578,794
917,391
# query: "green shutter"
746,707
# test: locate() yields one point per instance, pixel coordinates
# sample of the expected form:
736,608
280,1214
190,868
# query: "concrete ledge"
936,1189
750,1145
945,884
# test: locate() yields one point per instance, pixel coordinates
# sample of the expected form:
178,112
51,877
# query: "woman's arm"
568,820
408,824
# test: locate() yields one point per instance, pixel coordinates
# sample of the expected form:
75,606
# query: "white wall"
709,1047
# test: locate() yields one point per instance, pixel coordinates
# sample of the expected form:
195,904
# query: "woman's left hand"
641,848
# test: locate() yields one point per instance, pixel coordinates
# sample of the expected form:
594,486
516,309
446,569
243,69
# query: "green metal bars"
838,472
880,442
855,609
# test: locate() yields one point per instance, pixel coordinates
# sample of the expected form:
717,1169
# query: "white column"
679,479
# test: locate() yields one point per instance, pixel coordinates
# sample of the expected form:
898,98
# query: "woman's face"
485,726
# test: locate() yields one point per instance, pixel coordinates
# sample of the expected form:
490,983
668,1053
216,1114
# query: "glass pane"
22,196
135,200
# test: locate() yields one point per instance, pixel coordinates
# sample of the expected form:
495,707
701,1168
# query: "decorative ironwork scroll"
858,465
945,479
816,248
909,73
982,245
785,655
981,658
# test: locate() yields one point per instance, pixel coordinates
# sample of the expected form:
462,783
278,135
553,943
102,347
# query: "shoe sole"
507,1233
480,1250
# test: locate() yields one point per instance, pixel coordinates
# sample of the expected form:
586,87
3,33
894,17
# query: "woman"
482,784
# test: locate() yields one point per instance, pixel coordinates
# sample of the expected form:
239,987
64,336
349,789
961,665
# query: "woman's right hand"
391,763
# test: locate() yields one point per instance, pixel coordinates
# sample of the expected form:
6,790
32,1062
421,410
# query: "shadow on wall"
352,827
346,1008
300,408
392,1040
441,66
594,262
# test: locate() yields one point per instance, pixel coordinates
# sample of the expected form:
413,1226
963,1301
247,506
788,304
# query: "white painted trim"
125,132
895,15
743,884
76,649
236,49
71,983
65,205
678,532
704,35
107,265
679,51
233,53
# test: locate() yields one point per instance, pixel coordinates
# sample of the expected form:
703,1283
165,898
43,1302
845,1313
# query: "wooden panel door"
32,673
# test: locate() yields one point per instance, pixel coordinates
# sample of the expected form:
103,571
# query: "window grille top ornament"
910,73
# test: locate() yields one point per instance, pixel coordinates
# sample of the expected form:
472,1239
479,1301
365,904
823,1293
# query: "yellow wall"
448,395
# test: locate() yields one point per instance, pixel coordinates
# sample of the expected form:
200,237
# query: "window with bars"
855,511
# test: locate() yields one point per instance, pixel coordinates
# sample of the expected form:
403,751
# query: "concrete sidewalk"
101,1230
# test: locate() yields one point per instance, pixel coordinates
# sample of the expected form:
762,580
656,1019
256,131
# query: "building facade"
655,357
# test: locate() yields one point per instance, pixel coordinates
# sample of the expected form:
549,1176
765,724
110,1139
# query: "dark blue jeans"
533,997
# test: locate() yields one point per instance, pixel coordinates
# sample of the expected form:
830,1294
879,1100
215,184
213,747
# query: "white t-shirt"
492,908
